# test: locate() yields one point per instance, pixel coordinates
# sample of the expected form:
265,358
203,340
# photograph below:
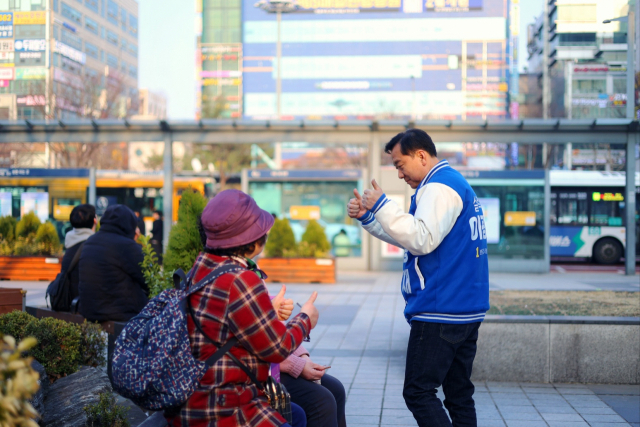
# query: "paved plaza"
362,334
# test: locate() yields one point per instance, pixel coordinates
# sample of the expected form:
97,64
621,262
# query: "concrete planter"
32,268
299,270
12,299
558,349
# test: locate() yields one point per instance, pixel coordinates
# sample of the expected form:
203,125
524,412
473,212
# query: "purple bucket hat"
232,218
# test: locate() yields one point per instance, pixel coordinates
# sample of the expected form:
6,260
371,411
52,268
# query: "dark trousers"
323,404
441,354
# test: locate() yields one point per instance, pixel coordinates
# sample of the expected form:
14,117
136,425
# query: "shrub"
106,413
184,239
47,239
317,244
281,241
15,323
18,383
154,276
94,343
8,228
28,225
25,246
59,345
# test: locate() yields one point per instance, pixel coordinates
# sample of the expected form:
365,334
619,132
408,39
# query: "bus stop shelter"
373,134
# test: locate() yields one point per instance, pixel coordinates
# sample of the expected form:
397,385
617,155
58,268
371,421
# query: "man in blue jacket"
445,280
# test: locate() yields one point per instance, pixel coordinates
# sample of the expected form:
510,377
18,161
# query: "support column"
167,205
547,220
92,187
630,205
374,172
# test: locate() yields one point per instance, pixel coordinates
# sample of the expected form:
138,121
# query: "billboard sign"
35,45
6,25
31,73
30,18
35,202
6,46
70,52
7,73
31,100
346,6
452,5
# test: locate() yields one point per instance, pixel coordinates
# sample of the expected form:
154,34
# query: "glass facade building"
356,59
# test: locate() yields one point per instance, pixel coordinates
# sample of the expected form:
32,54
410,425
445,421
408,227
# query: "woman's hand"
312,371
283,307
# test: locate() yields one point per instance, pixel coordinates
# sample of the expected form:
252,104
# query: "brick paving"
362,334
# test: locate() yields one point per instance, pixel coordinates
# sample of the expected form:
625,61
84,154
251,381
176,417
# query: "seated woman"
237,305
323,403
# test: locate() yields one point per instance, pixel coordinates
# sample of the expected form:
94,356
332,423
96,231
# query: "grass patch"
565,303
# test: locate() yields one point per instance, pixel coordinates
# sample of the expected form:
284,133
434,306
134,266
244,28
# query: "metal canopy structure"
528,131
370,133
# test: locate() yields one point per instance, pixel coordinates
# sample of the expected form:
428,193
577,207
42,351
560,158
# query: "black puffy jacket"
112,286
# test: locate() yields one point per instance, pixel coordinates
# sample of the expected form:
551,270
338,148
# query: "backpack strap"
216,273
74,262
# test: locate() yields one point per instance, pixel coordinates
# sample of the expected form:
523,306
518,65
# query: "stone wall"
559,349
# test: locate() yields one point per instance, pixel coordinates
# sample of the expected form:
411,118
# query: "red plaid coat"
236,304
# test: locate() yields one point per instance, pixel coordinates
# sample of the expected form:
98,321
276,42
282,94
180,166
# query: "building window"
91,50
29,31
112,12
132,50
582,87
93,5
133,71
112,61
71,39
55,6
112,38
102,55
123,19
91,25
71,13
133,25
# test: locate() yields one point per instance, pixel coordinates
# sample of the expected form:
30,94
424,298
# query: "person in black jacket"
83,221
112,286
141,226
157,234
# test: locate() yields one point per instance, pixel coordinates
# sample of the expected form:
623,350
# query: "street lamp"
278,7
631,69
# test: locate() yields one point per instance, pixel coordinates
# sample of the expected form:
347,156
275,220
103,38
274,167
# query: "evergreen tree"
28,225
184,239
47,239
7,228
314,241
281,241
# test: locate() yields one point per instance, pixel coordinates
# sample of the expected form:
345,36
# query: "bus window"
607,209
572,208
554,208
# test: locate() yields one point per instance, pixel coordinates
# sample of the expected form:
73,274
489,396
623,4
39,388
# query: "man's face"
411,168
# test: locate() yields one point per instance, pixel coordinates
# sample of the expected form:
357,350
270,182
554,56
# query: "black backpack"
59,291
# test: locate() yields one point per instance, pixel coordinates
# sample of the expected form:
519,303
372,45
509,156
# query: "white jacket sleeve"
375,229
439,206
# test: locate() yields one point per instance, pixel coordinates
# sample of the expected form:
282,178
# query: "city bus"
588,215
52,193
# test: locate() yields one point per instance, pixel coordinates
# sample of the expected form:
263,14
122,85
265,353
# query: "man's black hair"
158,212
83,216
411,141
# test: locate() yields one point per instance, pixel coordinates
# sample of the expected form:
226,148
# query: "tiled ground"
363,335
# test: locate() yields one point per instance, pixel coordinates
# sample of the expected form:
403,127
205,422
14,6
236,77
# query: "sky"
167,49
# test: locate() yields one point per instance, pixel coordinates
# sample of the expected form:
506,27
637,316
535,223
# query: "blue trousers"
298,417
441,354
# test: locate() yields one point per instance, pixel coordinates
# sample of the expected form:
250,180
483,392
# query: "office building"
361,59
587,58
67,59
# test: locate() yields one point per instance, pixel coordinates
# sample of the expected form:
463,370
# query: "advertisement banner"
6,46
35,202
491,212
38,73
30,18
7,73
329,6
4,83
69,79
31,100
30,55
6,208
35,45
7,56
70,52
6,25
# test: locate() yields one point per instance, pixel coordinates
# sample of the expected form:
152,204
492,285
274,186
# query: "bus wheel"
607,251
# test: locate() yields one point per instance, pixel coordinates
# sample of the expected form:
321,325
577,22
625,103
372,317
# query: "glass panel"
572,208
607,209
